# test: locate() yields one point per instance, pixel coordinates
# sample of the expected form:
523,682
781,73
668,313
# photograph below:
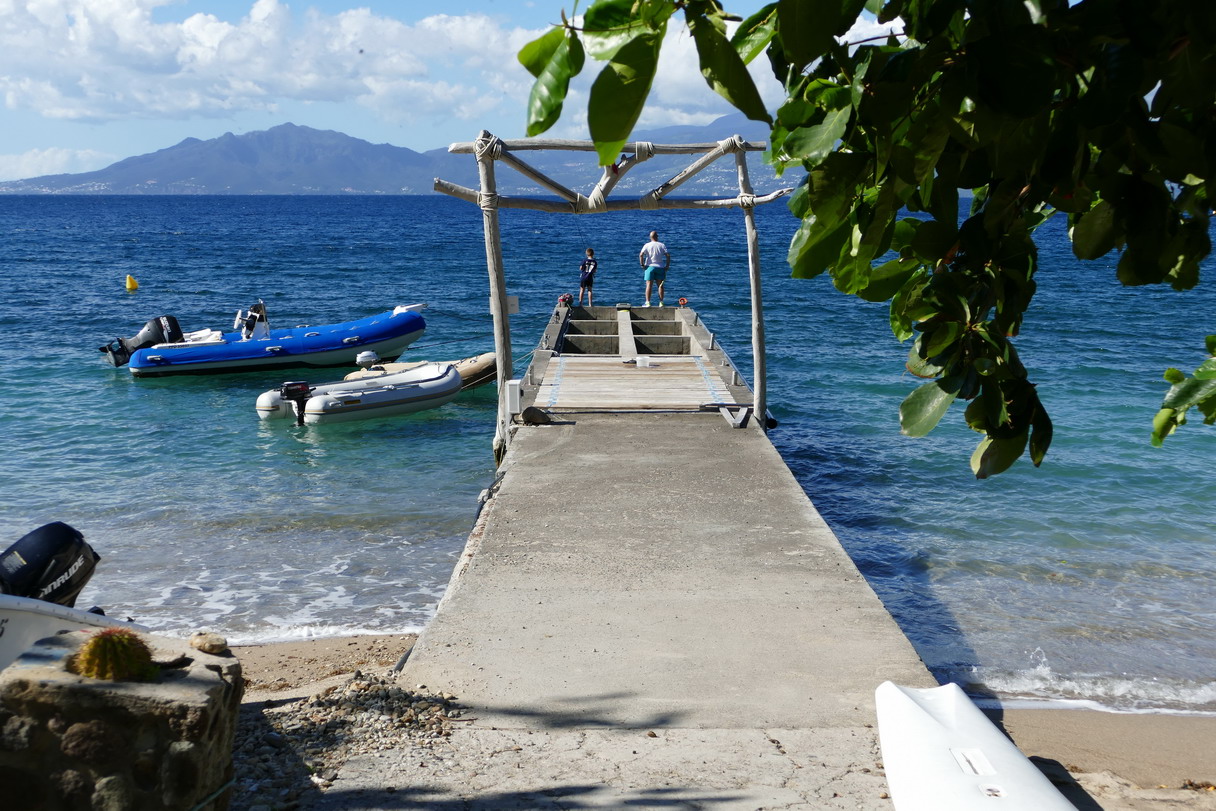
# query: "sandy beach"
1100,760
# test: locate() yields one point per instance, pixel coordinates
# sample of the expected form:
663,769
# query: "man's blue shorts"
654,273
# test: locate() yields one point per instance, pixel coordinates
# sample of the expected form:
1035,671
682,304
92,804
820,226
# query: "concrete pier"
649,613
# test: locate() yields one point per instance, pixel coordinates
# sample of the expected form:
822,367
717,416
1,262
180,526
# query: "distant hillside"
290,159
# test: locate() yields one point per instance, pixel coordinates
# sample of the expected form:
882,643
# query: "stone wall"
69,742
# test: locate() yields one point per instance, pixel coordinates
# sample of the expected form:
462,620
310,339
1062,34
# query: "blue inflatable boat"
162,348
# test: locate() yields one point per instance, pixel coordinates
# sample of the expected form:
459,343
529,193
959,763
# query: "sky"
88,82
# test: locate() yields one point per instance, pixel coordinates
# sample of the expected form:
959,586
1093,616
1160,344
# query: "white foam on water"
291,632
1041,687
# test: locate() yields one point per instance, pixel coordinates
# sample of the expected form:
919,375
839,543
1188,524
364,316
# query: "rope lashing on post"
487,200
746,200
735,143
643,151
489,148
592,204
649,201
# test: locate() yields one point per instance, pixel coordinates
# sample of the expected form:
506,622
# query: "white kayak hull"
418,389
474,371
941,753
23,621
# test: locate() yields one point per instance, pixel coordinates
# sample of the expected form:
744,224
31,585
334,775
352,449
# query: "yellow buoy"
131,283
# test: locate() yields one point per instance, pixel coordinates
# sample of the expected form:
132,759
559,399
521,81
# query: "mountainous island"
291,159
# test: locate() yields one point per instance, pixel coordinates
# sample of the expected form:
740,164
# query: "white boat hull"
474,371
418,389
24,621
941,753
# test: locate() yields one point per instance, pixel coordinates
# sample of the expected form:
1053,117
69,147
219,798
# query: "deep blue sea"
1088,579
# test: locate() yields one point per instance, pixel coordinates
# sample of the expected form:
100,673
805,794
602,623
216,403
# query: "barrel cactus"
114,654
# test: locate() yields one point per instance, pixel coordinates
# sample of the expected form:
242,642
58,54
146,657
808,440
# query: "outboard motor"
163,329
296,393
52,563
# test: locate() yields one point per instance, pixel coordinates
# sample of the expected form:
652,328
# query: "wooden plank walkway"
606,383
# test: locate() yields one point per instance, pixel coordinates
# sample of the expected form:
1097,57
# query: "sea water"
1088,579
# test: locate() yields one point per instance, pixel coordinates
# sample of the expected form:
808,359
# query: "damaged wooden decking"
605,359
667,382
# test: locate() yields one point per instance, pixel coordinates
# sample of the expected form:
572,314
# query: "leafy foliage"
1198,391
1101,111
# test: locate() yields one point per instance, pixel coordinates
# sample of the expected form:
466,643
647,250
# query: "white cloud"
38,162
100,60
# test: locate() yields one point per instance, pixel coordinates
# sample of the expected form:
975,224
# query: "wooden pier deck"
598,383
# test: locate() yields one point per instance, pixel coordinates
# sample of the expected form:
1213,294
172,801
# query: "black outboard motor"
52,563
296,393
163,329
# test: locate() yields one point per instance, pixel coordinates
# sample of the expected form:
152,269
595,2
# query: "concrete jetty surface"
649,613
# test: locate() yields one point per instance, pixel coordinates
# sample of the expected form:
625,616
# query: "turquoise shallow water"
1087,579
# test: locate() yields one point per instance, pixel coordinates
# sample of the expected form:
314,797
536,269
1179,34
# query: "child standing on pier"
586,277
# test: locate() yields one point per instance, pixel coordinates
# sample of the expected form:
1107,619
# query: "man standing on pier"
655,259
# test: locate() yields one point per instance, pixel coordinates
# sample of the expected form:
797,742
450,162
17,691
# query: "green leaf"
1173,375
1041,432
934,240
1189,392
1096,232
813,144
924,408
804,37
976,416
536,54
755,33
1206,370
887,279
618,95
1164,423
909,306
724,71
814,247
610,25
927,138
554,60
942,337
993,456
834,185
920,366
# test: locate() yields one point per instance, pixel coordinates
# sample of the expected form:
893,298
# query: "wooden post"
759,374
487,148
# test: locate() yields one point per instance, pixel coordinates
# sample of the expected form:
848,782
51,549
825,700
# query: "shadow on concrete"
273,770
588,712
561,797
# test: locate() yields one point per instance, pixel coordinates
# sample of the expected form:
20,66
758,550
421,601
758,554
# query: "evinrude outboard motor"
52,563
163,329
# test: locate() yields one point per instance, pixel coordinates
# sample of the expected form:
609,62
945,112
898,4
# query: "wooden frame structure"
489,149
